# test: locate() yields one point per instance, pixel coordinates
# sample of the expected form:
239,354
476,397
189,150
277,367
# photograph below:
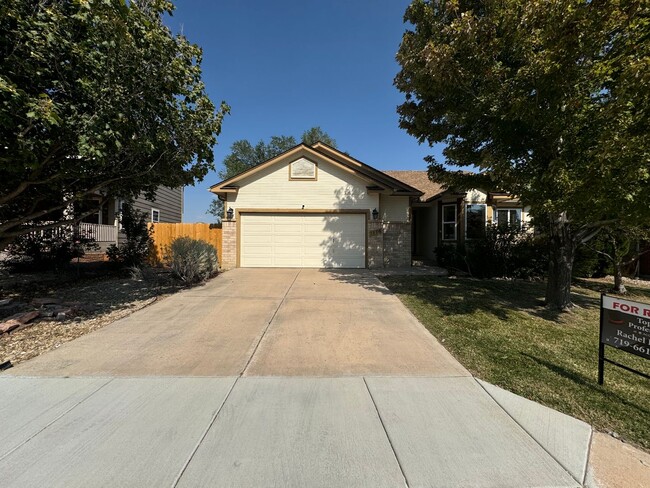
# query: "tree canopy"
97,98
244,155
316,134
549,100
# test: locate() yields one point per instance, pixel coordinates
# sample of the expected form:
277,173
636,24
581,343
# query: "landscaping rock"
12,309
66,311
40,302
6,301
24,317
9,325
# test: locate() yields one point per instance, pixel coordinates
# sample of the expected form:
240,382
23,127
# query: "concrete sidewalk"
268,431
274,378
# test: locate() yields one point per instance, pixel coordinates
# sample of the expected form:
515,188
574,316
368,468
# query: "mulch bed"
82,303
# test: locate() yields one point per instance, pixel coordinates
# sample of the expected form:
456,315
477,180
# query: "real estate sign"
625,325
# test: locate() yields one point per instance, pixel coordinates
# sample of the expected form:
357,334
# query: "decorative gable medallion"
302,169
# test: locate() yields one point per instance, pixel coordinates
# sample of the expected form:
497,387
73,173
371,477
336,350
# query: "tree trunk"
619,287
563,245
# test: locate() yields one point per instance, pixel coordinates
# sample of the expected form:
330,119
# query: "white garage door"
303,241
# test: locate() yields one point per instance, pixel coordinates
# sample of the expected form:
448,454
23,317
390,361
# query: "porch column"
228,244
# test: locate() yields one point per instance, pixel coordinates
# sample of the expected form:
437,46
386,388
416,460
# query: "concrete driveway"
258,322
274,378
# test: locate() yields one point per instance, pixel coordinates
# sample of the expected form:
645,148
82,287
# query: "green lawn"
501,332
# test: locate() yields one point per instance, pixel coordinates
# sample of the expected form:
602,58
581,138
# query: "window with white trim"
449,222
475,219
508,217
155,215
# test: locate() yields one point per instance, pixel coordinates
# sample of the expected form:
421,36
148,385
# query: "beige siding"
334,188
394,209
168,201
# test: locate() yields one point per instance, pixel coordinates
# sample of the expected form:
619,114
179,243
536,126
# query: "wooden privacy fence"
164,234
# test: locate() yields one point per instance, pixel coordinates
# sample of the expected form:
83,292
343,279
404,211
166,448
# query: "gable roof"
333,156
421,181
388,180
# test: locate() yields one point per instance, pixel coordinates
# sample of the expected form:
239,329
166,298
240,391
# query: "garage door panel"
287,227
284,239
317,226
261,229
299,240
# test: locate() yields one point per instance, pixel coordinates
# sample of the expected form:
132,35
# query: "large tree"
97,98
316,134
547,99
243,155
621,246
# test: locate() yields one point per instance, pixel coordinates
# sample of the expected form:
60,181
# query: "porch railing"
99,232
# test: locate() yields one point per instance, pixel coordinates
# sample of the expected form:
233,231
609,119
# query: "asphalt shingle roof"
419,180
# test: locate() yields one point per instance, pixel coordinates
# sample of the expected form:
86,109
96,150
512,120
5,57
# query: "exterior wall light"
375,214
230,213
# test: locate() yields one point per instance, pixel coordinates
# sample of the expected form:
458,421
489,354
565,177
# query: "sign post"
625,325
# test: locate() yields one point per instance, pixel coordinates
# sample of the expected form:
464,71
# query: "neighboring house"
104,226
444,217
314,206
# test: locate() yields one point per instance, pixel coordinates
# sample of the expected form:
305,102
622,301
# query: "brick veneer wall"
375,244
228,244
389,244
397,244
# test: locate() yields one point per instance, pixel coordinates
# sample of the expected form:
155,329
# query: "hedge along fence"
164,234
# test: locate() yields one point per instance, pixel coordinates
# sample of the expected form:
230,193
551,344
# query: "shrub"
49,249
451,257
192,260
503,251
135,250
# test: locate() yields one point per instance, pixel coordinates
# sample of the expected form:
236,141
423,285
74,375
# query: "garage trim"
299,211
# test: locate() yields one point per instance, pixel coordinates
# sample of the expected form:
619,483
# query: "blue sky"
287,65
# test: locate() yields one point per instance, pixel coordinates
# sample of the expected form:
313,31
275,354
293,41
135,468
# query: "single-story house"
315,206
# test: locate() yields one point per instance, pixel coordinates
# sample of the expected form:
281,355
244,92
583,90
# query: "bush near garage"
192,260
